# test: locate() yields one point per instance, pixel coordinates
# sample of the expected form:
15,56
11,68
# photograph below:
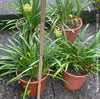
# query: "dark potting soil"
76,73
72,24
26,78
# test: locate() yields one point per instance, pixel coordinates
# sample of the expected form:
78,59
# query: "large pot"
33,86
73,82
71,35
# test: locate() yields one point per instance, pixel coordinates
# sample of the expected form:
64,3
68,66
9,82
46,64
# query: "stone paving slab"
3,5
53,90
4,36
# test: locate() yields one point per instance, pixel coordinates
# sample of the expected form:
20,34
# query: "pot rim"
34,81
81,23
75,75
23,18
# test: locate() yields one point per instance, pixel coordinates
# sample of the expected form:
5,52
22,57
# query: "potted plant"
76,61
23,59
30,11
63,13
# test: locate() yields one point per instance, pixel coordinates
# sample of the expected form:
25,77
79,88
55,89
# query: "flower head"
58,33
27,7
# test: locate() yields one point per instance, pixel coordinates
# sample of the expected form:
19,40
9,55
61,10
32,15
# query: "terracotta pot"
73,82
33,86
70,35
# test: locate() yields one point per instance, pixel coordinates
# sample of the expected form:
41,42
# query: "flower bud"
27,7
58,33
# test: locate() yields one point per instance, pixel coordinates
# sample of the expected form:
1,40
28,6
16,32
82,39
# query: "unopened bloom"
27,7
58,33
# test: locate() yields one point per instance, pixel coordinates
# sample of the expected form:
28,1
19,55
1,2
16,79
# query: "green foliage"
32,17
97,3
65,9
24,56
27,92
10,24
81,5
78,57
0,23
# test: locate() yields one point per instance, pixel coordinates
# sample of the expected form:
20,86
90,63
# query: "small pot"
33,86
70,35
73,82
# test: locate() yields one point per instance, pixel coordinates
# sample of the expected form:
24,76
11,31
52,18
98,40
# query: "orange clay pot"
73,82
70,35
33,86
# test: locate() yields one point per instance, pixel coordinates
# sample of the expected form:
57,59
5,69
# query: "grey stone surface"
86,16
4,36
14,90
54,88
3,5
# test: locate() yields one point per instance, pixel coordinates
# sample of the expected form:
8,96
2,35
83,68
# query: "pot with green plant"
76,61
24,61
63,13
30,11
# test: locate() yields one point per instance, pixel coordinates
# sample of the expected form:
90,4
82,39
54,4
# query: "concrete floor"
54,88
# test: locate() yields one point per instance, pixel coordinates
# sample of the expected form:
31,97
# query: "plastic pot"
71,35
33,86
73,82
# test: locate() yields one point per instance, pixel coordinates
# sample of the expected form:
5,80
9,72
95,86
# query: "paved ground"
54,88
7,14
5,3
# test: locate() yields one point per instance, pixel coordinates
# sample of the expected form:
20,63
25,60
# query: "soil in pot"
26,78
72,32
76,73
71,23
